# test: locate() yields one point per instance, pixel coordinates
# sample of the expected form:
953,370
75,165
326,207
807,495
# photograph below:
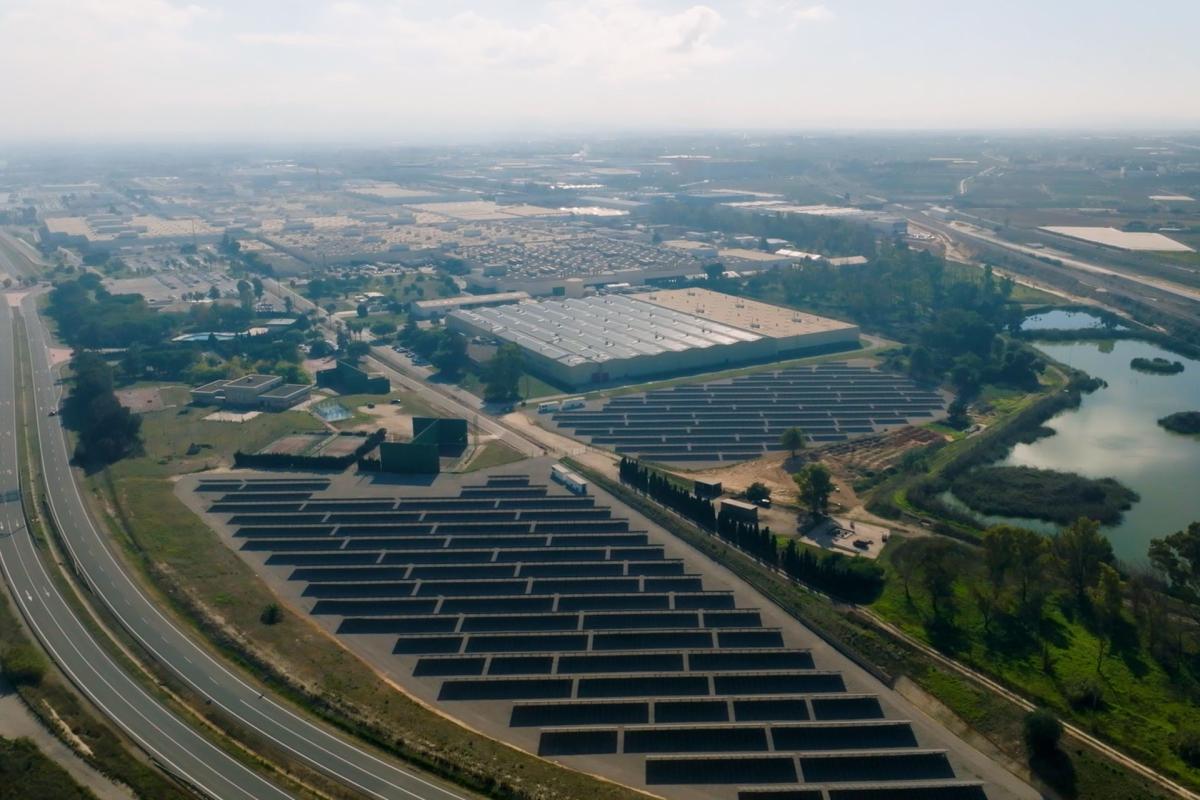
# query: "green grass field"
493,454
1142,708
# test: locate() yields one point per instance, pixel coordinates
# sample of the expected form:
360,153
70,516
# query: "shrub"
23,665
271,615
1187,744
1042,733
1085,693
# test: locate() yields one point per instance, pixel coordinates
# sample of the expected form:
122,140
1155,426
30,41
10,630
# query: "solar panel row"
745,417
510,593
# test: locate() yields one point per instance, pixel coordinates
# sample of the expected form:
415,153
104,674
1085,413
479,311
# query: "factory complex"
594,340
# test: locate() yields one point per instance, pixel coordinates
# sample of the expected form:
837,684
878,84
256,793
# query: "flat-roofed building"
210,394
613,338
284,396
244,391
426,309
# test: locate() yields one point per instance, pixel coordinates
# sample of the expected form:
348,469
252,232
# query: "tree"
257,284
1043,732
362,310
245,294
920,364
271,614
793,440
956,414
502,376
757,492
23,665
815,484
1178,557
1079,549
1015,555
907,563
451,355
940,564
714,271
1107,603
214,293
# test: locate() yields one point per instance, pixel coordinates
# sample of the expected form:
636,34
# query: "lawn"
493,454
167,436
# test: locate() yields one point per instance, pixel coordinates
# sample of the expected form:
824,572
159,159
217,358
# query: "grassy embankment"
27,774
1127,697
208,585
994,718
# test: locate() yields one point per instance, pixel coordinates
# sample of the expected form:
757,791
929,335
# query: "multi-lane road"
168,738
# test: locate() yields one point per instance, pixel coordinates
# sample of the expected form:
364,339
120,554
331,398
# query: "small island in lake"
1060,497
1182,422
1157,366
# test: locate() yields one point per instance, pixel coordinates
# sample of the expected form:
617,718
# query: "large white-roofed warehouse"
612,338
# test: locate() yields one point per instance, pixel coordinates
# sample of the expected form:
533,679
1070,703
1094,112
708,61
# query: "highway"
213,771
175,744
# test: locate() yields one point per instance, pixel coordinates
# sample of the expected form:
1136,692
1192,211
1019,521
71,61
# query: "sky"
401,71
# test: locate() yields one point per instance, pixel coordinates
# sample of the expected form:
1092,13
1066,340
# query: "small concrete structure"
740,510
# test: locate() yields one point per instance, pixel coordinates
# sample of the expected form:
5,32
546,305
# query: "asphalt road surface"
185,752
162,734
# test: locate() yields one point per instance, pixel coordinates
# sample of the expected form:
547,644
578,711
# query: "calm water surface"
1115,433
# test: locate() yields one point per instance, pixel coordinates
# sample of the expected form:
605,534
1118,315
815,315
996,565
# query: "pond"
1062,320
1115,433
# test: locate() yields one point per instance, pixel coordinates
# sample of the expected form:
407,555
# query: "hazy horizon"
215,71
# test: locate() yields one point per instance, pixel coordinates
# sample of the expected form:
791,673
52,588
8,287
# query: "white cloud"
791,12
614,39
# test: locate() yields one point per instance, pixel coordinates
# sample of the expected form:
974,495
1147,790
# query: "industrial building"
267,392
427,309
592,340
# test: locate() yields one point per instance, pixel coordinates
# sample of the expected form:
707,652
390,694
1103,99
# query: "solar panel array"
744,418
512,591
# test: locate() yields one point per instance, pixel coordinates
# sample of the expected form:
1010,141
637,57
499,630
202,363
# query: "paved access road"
214,771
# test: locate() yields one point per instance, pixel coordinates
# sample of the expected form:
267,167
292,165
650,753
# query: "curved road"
161,733
307,741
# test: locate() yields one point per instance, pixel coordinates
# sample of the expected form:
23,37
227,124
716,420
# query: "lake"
1115,433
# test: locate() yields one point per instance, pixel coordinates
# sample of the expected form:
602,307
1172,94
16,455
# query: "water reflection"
1115,433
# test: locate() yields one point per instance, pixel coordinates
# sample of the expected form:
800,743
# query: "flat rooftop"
600,329
286,390
1122,240
471,299
251,381
751,315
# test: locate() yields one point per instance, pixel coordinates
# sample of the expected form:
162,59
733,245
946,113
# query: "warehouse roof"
741,312
470,300
603,328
